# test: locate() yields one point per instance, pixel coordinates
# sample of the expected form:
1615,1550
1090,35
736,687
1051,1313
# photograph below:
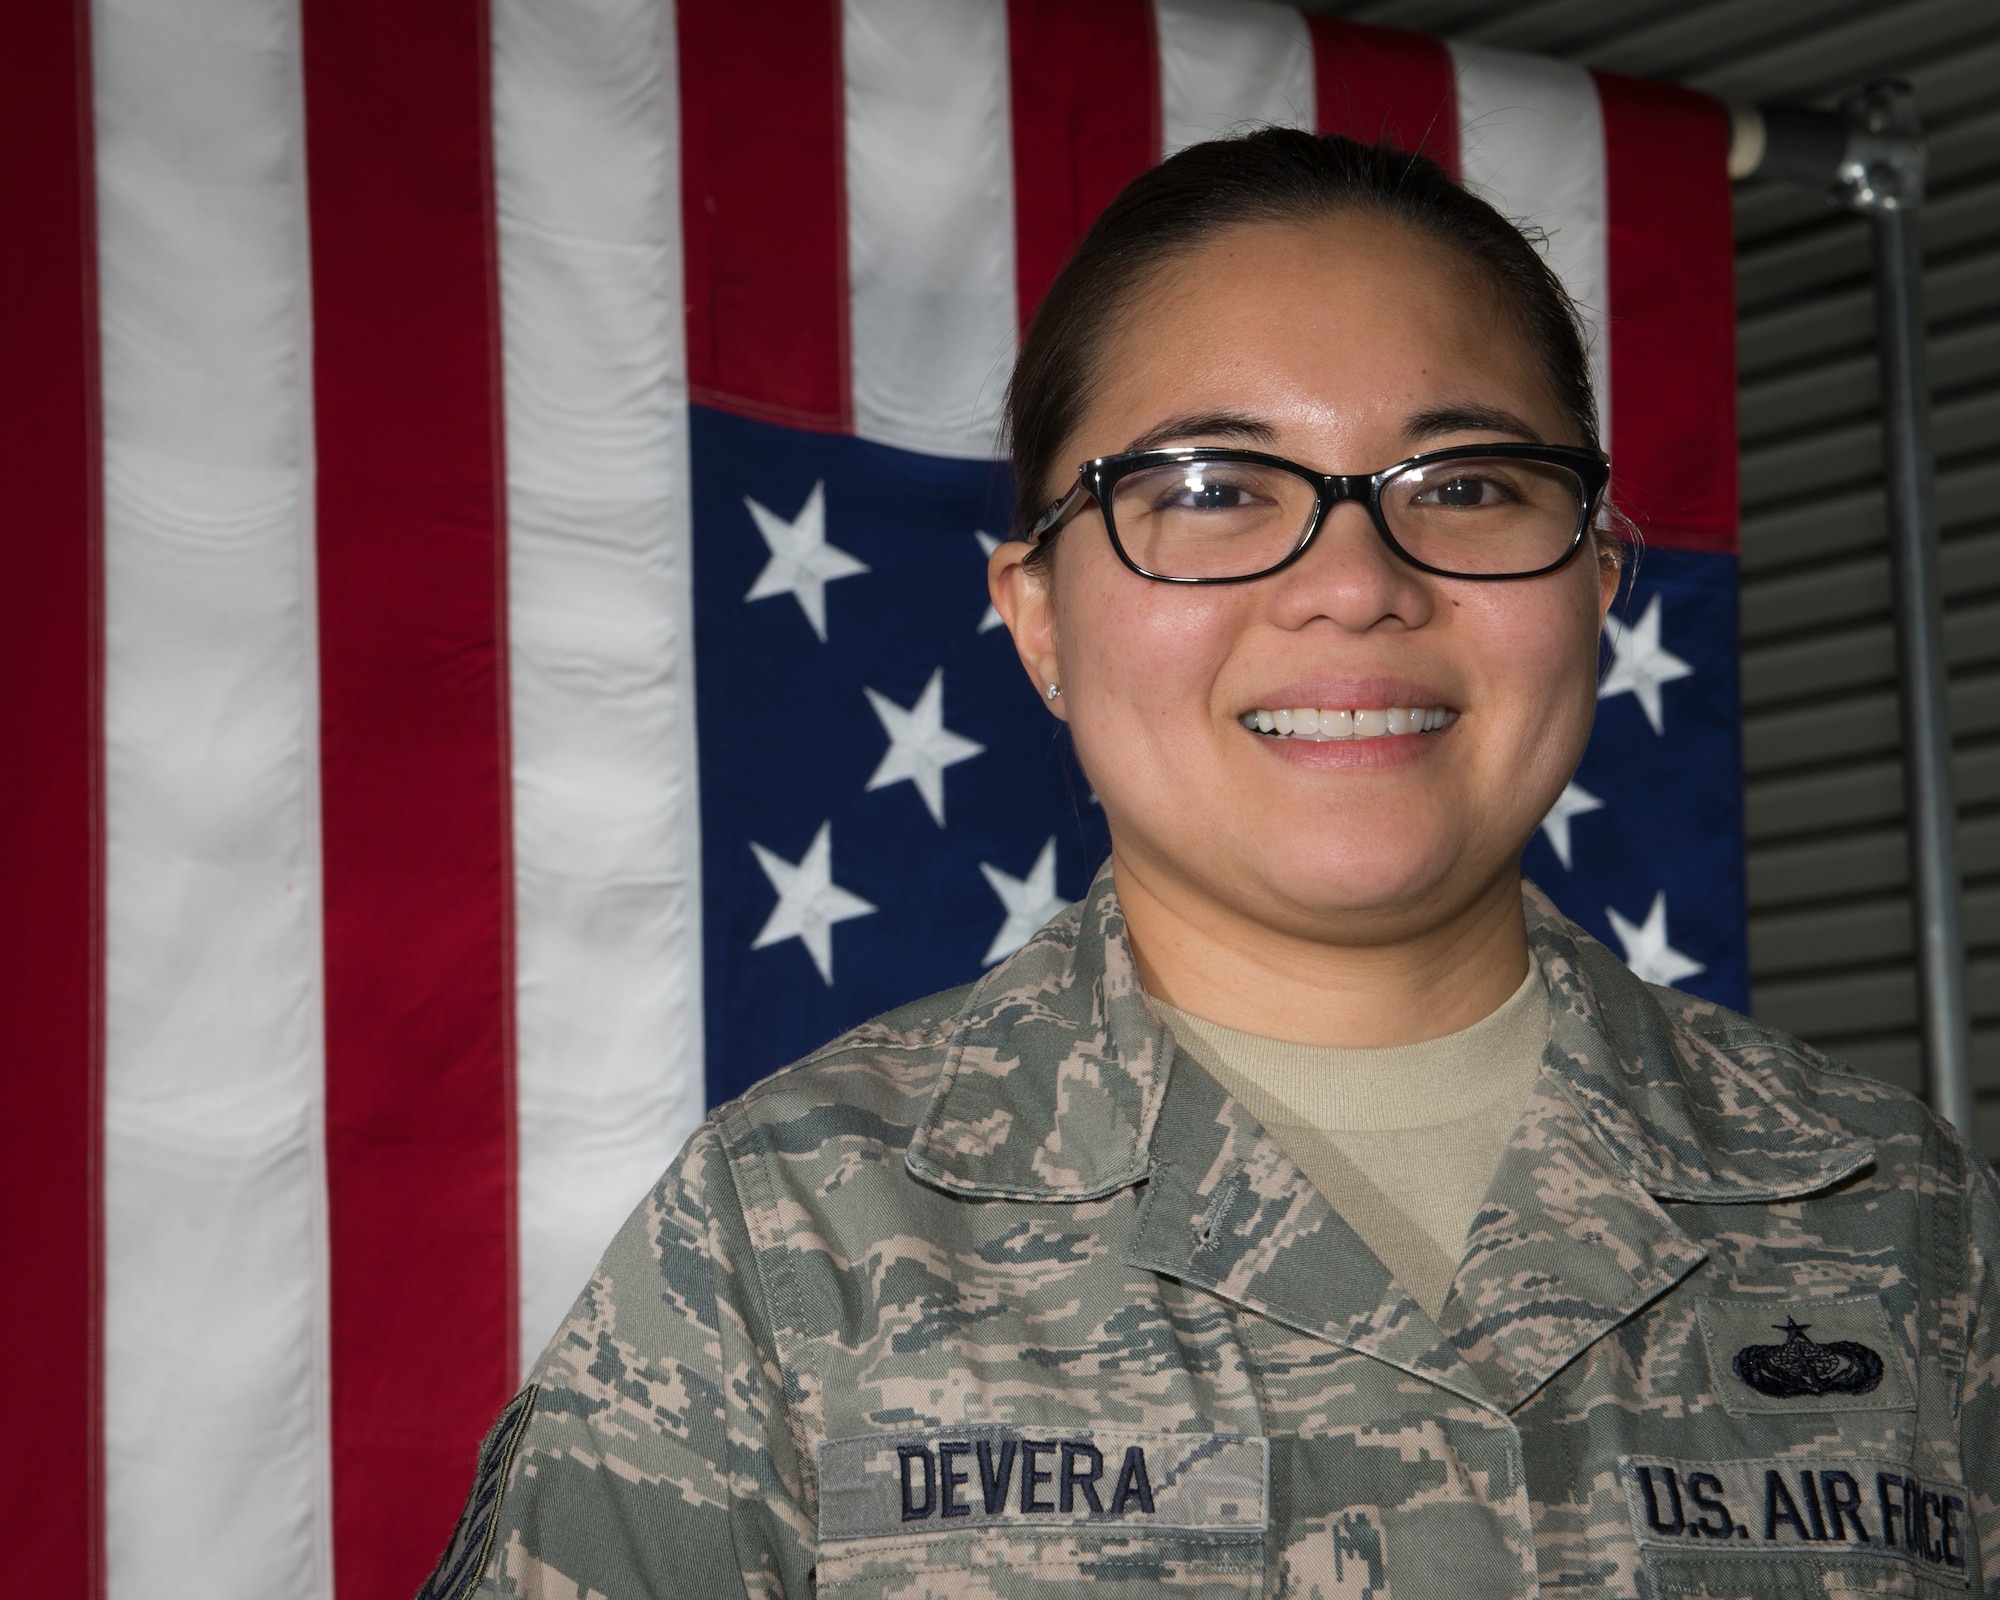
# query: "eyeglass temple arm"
1059,513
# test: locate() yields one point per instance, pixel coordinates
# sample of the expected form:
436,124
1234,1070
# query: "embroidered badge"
1803,1366
1805,1355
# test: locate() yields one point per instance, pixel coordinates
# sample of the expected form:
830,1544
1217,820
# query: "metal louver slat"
1830,805
1785,537
1839,253
1830,922
1845,385
1769,340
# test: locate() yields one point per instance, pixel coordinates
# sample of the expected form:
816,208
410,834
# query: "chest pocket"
1005,1511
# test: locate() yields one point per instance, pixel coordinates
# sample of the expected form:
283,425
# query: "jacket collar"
1693,1101
1057,1068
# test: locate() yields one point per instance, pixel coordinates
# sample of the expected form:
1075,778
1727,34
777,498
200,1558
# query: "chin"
1357,877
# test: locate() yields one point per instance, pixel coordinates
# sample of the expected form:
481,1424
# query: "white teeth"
1318,725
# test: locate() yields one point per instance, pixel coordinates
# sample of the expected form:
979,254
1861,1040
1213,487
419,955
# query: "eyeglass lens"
1480,516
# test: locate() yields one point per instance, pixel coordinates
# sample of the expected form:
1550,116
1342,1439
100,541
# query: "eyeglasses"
1483,511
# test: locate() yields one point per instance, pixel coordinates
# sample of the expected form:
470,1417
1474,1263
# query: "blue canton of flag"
886,808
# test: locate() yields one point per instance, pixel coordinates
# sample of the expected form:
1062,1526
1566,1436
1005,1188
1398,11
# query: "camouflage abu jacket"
993,1296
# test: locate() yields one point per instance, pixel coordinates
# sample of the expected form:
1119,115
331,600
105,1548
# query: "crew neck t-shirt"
1402,1141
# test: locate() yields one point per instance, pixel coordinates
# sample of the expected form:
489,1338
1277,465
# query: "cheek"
1538,647
1128,643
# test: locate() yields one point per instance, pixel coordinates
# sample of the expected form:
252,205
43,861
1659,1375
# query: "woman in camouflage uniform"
1082,1277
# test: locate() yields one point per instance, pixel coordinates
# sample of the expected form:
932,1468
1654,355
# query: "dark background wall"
1830,944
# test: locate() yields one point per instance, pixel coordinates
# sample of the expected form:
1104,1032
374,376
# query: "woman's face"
1346,345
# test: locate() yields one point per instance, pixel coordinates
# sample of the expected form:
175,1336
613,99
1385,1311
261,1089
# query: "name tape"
1826,1507
945,1479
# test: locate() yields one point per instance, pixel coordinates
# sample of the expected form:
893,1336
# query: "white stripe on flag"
215,1338
930,221
1531,141
607,856
1228,65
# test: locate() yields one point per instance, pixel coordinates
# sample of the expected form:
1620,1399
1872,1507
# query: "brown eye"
1462,492
1485,514
1198,492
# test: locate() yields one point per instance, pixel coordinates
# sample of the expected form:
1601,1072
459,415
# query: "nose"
1350,577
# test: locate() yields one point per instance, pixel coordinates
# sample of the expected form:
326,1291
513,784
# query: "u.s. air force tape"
942,1479
1838,1507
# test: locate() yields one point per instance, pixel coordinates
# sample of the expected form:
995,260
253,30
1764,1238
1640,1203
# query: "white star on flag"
1647,952
802,563
1574,801
1030,902
991,620
920,745
1639,665
809,901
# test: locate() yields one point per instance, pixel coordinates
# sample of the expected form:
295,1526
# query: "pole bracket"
1867,156
1885,162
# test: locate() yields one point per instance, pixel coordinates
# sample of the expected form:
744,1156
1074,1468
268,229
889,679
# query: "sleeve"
1979,1406
650,1454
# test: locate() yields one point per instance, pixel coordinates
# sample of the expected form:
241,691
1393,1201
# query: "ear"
1026,603
1611,556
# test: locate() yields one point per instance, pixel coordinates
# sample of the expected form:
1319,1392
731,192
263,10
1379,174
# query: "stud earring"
1055,691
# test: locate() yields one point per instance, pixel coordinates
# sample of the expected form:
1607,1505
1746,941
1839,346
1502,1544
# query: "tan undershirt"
1402,1141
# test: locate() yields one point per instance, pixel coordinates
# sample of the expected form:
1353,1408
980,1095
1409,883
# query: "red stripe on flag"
1385,86
414,784
51,810
1085,78
1673,311
764,212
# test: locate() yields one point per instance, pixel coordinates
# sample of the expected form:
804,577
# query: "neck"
1214,961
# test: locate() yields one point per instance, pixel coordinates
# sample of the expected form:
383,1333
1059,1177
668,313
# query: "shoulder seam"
755,1269
754,1158
932,1038
1748,1034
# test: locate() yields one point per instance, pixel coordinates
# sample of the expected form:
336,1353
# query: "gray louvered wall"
1830,931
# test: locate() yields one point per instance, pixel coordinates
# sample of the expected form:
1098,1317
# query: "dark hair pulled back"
1271,175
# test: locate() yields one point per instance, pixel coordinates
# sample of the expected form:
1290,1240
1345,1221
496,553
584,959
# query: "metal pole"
1882,176
1871,154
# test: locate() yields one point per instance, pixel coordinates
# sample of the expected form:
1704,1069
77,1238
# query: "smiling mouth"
1319,726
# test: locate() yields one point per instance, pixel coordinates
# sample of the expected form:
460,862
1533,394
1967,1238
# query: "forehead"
1352,314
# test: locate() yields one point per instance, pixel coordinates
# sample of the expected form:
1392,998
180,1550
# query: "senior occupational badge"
1802,1366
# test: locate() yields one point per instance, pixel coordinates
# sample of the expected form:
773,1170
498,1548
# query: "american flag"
496,657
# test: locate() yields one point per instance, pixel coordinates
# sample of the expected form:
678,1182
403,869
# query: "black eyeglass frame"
1097,478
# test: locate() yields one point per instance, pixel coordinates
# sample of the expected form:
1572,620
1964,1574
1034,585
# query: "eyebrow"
1242,428
1236,426
1469,419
